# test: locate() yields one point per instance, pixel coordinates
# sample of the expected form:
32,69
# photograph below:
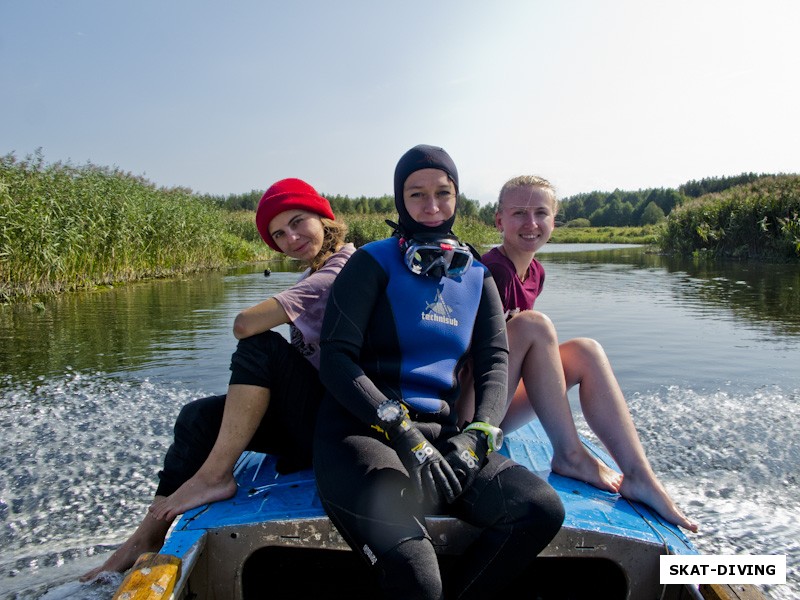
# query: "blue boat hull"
275,524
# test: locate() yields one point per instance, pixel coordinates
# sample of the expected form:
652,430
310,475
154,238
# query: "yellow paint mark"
153,577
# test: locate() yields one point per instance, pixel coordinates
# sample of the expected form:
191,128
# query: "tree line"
593,209
361,205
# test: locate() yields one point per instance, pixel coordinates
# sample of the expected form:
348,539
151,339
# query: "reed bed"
64,227
757,220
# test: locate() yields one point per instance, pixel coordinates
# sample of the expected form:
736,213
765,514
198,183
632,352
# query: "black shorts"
287,429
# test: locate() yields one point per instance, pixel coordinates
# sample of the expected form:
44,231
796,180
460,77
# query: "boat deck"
275,524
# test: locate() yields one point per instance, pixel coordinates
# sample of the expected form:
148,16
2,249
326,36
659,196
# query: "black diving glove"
431,474
468,455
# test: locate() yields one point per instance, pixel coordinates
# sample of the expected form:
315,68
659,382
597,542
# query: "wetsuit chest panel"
433,320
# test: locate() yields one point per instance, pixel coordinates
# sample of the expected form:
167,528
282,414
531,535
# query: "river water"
707,353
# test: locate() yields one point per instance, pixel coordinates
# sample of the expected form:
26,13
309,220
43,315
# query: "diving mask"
442,257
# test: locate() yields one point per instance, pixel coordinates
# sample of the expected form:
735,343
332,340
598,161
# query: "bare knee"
531,325
585,349
583,358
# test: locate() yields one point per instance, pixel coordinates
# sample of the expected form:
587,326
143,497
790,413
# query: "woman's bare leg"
606,412
535,360
245,406
148,537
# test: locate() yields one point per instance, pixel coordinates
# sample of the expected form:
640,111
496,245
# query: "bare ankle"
571,457
214,477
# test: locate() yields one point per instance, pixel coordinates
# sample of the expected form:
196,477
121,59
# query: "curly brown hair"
335,232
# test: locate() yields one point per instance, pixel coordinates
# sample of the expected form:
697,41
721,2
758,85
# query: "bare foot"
148,537
649,491
583,466
198,490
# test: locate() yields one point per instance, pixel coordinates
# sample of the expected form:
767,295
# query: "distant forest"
594,209
361,205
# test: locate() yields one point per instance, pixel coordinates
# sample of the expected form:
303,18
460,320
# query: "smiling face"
429,197
298,233
526,217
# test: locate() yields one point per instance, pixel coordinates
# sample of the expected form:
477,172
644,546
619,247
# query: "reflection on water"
764,292
665,321
174,329
706,353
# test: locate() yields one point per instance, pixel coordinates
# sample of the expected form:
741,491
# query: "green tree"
652,214
486,213
467,207
610,214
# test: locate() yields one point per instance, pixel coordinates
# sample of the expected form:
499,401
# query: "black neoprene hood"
418,158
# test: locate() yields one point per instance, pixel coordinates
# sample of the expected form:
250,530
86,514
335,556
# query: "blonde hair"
526,181
334,233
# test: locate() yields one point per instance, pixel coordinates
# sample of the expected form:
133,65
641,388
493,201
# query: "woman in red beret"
274,389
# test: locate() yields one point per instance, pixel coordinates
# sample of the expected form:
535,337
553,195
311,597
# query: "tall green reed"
65,227
756,220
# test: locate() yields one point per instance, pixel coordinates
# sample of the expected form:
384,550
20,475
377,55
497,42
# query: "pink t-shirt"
515,294
305,302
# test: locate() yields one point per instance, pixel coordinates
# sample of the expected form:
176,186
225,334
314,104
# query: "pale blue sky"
225,97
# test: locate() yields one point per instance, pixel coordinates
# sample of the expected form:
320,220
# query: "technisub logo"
438,311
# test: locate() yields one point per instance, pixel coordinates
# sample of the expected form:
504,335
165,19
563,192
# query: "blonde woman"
541,370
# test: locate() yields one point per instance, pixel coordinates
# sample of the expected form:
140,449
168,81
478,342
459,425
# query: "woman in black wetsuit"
401,320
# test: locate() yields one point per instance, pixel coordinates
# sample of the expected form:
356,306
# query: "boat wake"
78,471
730,461
82,452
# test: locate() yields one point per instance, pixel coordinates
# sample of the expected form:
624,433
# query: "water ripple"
79,470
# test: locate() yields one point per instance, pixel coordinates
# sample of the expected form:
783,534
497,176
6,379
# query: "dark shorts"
264,360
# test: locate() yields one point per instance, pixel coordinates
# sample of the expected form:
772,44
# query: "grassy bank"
758,220
605,235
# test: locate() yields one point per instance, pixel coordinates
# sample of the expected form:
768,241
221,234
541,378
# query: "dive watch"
390,413
494,435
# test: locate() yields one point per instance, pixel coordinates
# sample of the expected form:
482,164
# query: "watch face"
389,412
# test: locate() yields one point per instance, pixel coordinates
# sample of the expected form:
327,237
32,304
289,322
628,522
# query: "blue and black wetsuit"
392,334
